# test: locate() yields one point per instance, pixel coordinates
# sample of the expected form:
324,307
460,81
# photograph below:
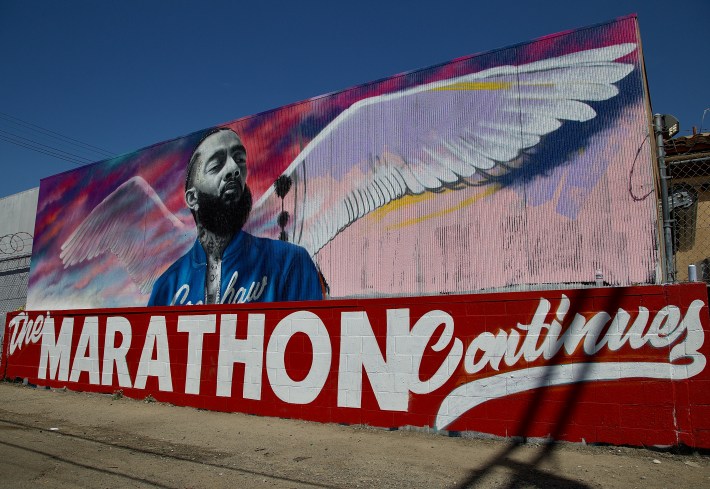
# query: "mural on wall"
615,365
522,166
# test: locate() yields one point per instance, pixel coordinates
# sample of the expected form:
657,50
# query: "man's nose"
231,168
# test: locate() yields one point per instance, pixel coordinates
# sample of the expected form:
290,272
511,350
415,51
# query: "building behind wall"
688,160
17,222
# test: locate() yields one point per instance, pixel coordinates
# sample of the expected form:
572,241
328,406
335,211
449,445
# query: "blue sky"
124,75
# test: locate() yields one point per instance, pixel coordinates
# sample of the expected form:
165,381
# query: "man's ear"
191,198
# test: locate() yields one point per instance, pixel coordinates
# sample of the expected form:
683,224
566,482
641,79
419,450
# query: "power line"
54,134
46,147
32,144
37,137
40,150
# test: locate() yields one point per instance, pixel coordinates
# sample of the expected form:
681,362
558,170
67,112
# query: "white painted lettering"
249,351
665,329
56,351
359,350
24,331
418,339
285,388
243,295
86,357
181,296
156,344
196,327
116,355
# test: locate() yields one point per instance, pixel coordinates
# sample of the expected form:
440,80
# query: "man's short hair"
189,173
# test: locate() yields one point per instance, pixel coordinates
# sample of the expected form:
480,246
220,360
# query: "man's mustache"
232,184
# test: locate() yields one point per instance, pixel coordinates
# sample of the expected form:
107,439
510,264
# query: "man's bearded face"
216,189
221,216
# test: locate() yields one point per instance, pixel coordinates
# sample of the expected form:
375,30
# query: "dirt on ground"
57,438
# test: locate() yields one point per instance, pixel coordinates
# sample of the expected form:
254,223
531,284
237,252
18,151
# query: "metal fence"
689,202
14,275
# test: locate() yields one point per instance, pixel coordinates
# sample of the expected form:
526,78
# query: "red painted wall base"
613,365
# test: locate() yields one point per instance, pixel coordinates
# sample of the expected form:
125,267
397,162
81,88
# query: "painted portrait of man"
226,264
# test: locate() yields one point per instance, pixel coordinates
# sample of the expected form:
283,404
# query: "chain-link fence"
14,275
689,203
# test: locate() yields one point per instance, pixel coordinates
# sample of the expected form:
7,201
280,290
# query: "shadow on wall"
531,474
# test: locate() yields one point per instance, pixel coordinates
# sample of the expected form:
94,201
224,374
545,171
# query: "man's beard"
220,217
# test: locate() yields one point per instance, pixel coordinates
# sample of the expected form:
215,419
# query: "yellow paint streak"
464,203
476,86
395,205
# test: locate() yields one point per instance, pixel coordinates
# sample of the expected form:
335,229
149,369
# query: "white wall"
17,212
17,227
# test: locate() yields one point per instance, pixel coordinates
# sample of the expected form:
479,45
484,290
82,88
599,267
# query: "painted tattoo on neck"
214,246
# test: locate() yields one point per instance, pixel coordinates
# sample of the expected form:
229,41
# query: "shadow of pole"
530,473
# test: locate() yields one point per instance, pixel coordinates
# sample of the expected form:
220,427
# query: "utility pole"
659,125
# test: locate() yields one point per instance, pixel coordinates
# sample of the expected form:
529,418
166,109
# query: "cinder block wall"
612,365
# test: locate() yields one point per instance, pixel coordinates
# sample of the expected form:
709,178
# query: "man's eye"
213,168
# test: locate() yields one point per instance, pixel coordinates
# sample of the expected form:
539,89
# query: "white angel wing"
133,224
431,137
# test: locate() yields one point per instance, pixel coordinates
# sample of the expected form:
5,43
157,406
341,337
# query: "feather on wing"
133,224
434,135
